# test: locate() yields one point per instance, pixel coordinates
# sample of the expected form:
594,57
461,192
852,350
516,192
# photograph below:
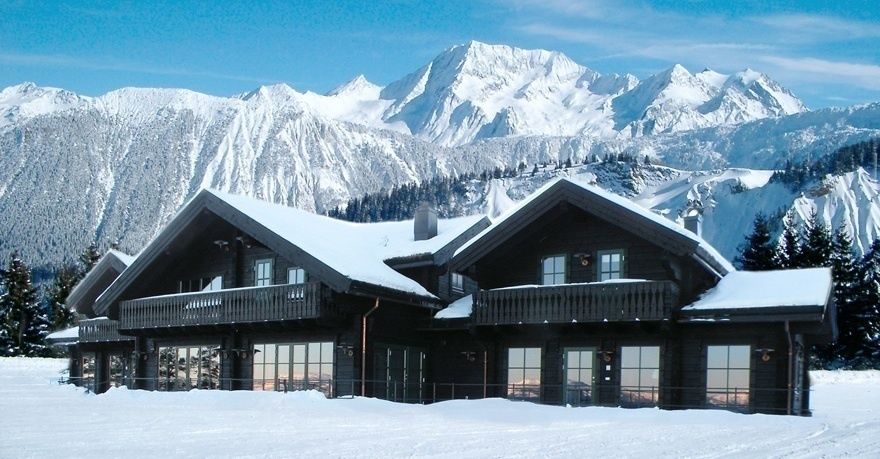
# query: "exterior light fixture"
584,258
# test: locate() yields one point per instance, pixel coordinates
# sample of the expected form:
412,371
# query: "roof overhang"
103,274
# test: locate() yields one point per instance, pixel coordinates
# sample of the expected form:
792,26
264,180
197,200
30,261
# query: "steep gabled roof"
615,209
349,257
103,274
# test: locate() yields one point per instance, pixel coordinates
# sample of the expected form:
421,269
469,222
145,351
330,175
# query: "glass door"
579,368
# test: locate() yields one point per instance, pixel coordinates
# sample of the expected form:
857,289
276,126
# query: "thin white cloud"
863,75
73,62
812,27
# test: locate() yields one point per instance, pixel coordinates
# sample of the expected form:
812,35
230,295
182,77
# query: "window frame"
305,363
640,388
565,269
595,369
522,391
728,390
456,287
257,279
305,275
621,274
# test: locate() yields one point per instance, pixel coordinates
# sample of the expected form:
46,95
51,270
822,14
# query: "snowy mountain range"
115,167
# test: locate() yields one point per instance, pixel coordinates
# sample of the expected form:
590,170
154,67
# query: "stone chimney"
693,221
425,223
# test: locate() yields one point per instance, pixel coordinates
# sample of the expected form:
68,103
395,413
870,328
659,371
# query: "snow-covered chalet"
574,296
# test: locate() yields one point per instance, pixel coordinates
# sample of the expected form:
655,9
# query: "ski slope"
43,419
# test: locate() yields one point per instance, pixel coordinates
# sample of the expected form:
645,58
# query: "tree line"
845,159
856,288
27,314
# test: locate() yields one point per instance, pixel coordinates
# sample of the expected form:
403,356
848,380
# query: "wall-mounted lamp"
766,353
346,349
606,355
585,259
244,241
470,356
222,244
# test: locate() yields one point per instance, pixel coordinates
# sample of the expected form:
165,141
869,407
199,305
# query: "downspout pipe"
364,346
790,364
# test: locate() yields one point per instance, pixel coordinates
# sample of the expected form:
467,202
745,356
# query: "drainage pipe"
364,347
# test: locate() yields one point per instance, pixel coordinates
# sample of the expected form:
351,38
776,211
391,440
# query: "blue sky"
826,52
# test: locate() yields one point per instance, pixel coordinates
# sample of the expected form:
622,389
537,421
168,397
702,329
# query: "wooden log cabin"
575,296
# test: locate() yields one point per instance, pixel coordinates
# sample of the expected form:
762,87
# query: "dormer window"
553,270
296,275
611,264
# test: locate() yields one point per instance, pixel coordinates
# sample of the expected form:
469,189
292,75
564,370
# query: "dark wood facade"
380,342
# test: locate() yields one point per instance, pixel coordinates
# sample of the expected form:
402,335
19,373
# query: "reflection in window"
263,272
579,375
120,370
727,376
294,366
639,375
553,270
610,264
183,368
87,364
524,373
203,284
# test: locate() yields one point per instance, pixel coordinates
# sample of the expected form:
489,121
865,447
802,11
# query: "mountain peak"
357,85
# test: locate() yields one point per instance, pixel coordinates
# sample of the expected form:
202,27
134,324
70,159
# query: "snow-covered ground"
42,419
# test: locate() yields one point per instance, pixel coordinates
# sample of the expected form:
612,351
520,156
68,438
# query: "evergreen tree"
788,252
26,322
65,280
89,257
847,290
758,252
817,244
859,326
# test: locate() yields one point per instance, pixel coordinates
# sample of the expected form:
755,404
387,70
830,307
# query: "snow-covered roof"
741,290
98,279
621,201
64,336
355,250
125,258
459,309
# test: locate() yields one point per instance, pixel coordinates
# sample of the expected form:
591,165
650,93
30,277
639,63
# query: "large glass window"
87,365
120,370
639,375
553,270
579,376
611,264
524,373
727,376
189,367
294,366
263,272
296,275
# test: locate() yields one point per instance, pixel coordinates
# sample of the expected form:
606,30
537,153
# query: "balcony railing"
242,305
601,302
100,330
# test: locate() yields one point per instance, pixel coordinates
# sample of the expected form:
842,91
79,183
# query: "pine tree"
859,327
26,321
817,245
788,252
65,280
89,257
758,252
847,291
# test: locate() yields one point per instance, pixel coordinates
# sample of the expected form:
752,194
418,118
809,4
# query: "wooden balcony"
605,302
232,306
101,330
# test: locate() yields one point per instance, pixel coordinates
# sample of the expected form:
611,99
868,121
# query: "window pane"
548,265
532,376
270,354
738,379
649,378
629,357
717,356
283,371
327,352
283,353
573,359
651,357
314,372
299,372
533,357
299,353
573,376
739,356
259,352
327,371
514,376
515,357
629,378
716,379
314,352
559,264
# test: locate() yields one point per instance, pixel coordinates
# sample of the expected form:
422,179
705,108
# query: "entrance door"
579,365
400,373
